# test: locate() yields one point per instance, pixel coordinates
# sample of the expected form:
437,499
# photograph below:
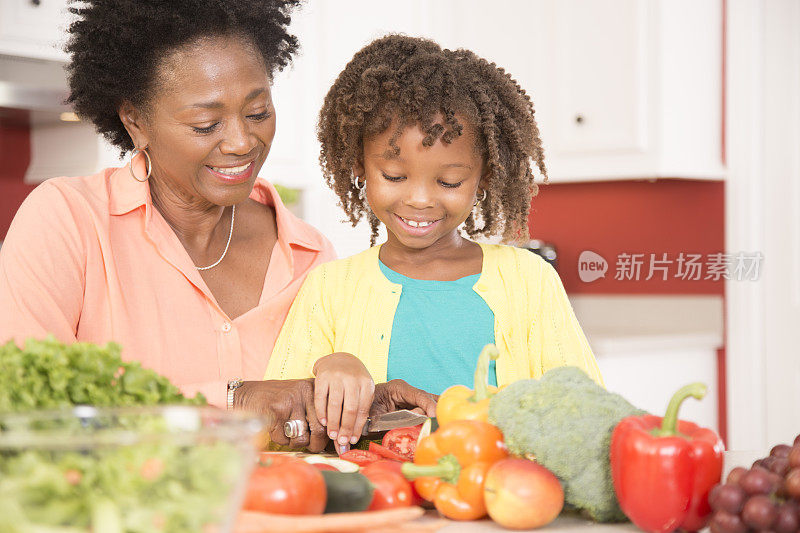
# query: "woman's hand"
343,392
283,400
397,394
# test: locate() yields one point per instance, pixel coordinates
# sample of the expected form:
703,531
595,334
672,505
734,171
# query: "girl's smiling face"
423,194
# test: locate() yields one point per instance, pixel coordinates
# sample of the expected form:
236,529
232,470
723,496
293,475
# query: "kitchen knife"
396,419
375,424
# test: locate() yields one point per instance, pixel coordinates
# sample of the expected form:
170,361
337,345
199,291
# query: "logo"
591,266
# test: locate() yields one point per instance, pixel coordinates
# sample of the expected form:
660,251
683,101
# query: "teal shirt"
439,329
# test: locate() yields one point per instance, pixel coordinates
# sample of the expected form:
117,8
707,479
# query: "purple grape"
792,483
767,462
780,450
759,512
787,520
728,497
723,522
735,475
760,481
780,466
794,456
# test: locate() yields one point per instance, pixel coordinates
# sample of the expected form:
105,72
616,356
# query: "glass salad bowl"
114,470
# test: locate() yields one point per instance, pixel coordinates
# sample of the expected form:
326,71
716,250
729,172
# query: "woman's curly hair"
413,81
117,46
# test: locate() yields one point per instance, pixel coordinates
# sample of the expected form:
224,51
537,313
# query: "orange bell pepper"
450,467
460,403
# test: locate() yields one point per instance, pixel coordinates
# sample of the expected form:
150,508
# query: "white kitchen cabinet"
622,88
647,371
34,28
647,347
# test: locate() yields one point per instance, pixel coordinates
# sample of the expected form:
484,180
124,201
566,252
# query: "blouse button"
226,327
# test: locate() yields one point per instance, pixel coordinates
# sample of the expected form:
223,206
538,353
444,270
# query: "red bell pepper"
663,468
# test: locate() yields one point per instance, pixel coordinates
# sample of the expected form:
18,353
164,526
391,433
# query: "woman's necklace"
230,234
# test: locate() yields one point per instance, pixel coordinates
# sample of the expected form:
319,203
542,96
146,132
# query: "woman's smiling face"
422,194
210,122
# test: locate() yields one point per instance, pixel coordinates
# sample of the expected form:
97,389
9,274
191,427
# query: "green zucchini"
347,492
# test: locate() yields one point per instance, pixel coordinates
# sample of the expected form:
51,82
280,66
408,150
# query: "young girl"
427,141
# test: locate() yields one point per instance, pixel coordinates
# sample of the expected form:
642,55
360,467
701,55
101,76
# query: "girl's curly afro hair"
116,47
413,81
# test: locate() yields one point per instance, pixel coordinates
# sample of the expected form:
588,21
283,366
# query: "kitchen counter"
566,523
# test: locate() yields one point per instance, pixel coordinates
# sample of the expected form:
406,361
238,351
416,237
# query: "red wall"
15,154
609,218
634,217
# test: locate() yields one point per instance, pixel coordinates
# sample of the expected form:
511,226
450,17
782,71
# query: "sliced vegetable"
402,441
333,463
324,467
283,484
360,457
385,452
426,429
347,492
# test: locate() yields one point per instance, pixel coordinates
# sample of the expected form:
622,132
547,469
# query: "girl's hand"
343,392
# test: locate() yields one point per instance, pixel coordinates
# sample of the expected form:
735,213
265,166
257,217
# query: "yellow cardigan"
348,306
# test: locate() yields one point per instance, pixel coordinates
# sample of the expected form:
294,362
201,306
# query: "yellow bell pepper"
460,403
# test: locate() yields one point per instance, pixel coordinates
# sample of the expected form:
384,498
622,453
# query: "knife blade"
375,424
395,419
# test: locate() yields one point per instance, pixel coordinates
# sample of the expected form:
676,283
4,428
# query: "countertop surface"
563,523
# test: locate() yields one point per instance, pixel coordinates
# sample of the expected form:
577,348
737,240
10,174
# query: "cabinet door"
599,88
34,28
648,374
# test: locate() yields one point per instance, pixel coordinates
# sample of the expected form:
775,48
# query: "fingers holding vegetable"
344,392
355,411
281,401
397,394
317,434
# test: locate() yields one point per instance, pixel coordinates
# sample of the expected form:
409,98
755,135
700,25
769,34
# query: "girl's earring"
362,188
481,200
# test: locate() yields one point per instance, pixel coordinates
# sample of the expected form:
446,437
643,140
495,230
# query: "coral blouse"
90,259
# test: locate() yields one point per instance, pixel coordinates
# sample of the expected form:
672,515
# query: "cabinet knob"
36,3
579,119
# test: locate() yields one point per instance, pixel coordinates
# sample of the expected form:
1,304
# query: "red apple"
522,494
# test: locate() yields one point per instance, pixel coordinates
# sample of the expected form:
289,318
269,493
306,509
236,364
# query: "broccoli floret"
565,421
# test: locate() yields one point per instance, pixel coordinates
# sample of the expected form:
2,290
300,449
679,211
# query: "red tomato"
388,465
391,490
284,484
383,451
402,441
360,457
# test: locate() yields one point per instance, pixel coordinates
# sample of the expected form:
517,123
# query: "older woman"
183,256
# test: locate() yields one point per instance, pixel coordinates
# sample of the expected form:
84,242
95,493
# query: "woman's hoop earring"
481,200
134,153
362,189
